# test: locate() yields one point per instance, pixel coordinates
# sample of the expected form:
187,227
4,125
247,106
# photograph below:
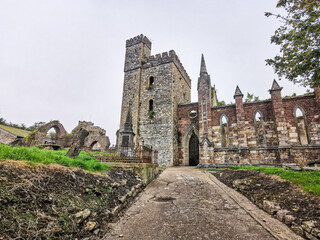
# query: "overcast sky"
64,59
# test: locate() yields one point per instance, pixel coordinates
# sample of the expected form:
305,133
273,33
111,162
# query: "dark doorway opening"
194,150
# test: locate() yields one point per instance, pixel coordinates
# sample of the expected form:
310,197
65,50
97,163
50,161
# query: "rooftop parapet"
167,57
138,39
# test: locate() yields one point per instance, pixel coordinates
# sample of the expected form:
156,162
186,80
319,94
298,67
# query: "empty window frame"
224,130
259,128
150,105
301,125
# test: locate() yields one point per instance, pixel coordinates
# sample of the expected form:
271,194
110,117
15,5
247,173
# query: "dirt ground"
184,203
258,187
55,202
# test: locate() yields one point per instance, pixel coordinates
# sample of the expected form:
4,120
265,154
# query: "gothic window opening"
301,126
224,131
259,128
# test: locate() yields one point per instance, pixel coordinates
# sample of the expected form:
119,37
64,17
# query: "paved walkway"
185,203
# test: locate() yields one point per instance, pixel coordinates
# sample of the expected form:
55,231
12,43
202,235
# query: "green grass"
105,154
309,181
15,131
35,155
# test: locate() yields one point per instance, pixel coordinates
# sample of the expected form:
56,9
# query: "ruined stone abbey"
157,111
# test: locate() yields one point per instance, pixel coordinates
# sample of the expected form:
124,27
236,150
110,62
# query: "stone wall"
186,126
97,139
272,149
6,137
96,135
157,90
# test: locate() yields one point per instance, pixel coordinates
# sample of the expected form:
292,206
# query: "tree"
35,126
251,97
299,41
2,121
221,103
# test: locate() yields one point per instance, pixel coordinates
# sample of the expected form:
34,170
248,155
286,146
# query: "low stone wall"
300,155
146,171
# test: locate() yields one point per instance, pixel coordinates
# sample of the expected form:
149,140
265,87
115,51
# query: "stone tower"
137,51
153,87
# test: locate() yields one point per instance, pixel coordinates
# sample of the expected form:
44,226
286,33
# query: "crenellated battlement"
138,39
167,57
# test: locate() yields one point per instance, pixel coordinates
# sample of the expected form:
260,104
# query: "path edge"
276,228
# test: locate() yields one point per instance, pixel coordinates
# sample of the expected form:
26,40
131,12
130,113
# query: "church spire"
203,68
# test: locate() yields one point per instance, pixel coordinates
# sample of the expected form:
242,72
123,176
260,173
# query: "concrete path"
185,203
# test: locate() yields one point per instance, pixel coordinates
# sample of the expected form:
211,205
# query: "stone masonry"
153,87
157,90
278,136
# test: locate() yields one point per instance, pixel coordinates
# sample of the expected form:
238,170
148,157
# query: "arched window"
150,105
224,129
300,117
259,128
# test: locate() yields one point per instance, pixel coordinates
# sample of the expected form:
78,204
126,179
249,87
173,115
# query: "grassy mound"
35,155
309,181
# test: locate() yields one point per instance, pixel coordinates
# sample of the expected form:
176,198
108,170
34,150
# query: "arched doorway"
194,150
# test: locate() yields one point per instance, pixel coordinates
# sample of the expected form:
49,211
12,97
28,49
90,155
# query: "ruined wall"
157,90
6,137
62,138
312,112
96,140
269,151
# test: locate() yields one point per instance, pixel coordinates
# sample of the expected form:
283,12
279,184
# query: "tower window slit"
150,105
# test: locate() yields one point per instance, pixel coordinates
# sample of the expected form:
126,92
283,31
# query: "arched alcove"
192,130
224,130
258,120
301,124
95,146
193,150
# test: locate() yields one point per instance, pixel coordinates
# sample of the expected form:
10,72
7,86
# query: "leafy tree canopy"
35,126
299,41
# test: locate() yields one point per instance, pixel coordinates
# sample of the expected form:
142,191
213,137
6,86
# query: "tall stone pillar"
279,116
242,135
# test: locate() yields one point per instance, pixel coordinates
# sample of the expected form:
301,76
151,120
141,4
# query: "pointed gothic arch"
299,114
258,120
224,130
192,131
